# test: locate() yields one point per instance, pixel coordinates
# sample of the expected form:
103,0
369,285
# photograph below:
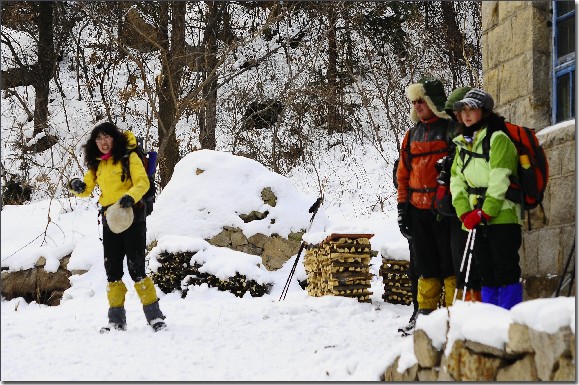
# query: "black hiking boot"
154,316
158,325
113,326
408,329
117,320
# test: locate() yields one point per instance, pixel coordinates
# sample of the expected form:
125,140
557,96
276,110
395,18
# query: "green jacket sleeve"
458,186
503,163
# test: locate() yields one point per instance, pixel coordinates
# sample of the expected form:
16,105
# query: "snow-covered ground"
212,335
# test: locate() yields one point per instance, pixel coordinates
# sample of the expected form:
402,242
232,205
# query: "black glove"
126,201
403,221
77,185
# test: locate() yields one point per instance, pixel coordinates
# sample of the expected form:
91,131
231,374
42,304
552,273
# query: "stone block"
565,370
498,41
559,137
568,159
522,26
519,339
508,9
523,369
223,239
529,261
491,81
268,197
238,240
479,348
539,286
392,375
465,365
427,355
277,251
562,201
549,348
549,254
258,240
490,15
514,77
428,375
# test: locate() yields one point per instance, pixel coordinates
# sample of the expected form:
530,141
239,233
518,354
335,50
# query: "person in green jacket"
121,177
458,237
478,185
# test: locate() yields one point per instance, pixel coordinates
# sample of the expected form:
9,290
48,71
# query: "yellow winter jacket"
108,178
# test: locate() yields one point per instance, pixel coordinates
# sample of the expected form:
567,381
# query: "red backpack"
528,188
533,168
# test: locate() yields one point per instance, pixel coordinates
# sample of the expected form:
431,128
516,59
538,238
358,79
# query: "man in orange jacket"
423,145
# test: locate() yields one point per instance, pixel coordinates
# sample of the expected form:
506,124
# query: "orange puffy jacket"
423,145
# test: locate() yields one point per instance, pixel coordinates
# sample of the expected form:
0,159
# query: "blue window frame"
564,79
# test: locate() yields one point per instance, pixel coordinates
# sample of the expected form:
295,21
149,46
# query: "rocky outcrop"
529,355
37,284
274,250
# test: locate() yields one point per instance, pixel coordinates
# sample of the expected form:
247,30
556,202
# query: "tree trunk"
332,92
455,41
168,86
45,72
208,111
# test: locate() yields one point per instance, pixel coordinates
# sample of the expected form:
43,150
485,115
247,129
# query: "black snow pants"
131,242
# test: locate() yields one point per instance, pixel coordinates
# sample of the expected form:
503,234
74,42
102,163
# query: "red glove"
472,218
440,192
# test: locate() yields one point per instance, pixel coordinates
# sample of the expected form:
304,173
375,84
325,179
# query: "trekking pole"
466,247
468,264
313,210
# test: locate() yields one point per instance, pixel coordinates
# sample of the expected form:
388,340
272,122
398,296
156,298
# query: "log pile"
396,282
177,273
340,266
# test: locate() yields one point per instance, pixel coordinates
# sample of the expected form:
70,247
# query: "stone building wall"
516,41
517,68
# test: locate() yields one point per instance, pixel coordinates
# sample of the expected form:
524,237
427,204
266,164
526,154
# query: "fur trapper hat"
430,90
119,219
476,98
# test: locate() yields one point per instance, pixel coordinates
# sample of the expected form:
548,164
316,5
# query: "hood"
131,140
453,97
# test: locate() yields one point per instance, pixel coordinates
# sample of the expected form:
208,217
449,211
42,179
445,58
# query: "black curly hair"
92,152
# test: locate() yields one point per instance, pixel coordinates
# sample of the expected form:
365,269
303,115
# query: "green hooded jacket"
492,175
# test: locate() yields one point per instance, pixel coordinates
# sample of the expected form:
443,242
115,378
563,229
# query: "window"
564,83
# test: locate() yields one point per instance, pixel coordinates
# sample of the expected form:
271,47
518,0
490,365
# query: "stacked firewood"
396,282
177,273
340,265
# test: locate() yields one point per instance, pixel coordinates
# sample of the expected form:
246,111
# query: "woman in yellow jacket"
105,154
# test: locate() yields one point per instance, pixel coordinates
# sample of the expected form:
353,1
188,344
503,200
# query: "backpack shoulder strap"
125,161
408,158
495,123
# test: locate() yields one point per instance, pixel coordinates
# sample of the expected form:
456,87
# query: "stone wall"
547,245
528,356
517,67
516,41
